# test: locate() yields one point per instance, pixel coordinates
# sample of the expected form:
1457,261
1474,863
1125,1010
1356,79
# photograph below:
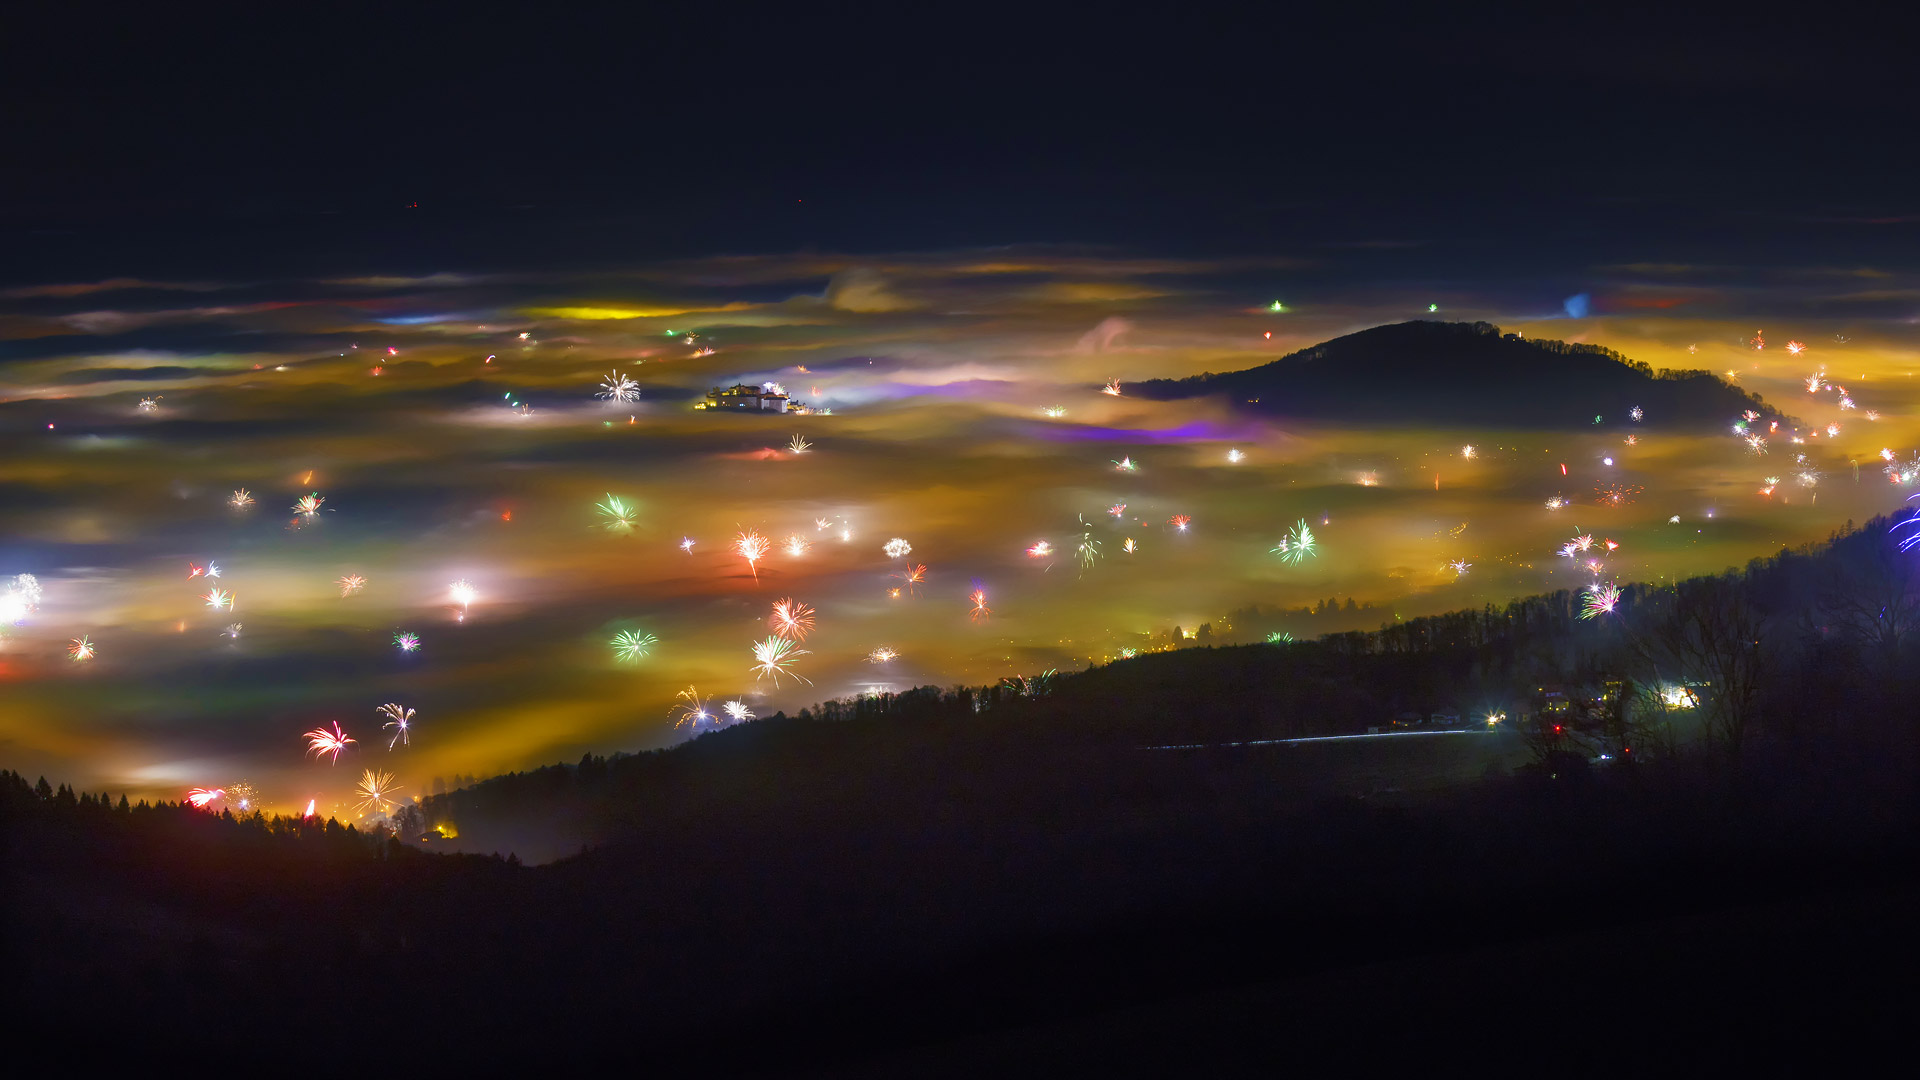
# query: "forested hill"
1466,373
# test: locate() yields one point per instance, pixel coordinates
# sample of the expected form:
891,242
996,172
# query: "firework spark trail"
1088,551
631,645
774,657
400,718
791,619
753,547
321,741
201,798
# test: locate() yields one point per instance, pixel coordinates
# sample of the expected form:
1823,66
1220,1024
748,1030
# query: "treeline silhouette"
1466,373
874,876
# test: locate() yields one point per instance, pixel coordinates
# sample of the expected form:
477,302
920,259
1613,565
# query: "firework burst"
321,741
1127,464
619,513
617,387
631,645
791,619
1235,457
798,445
897,548
914,576
753,547
1597,600
407,641
1054,412
400,719
980,610
219,599
737,711
201,798
350,584
240,499
309,505
1112,389
150,404
376,791
692,710
797,546
1459,567
1040,550
81,649
19,599
1298,545
1180,522
774,657
882,655
463,593
1117,509
232,631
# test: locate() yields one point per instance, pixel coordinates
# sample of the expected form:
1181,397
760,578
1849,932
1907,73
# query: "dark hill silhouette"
876,879
1466,373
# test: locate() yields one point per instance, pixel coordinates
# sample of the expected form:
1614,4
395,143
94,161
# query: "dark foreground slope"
1465,373
1017,886
1171,914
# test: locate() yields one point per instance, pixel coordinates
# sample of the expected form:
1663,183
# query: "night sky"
951,225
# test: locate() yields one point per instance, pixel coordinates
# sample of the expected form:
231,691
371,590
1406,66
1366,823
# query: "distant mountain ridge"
1467,373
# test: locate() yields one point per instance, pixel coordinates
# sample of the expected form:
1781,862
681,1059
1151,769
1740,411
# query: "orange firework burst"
791,619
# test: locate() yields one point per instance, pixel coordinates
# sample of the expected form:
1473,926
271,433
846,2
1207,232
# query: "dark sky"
660,131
